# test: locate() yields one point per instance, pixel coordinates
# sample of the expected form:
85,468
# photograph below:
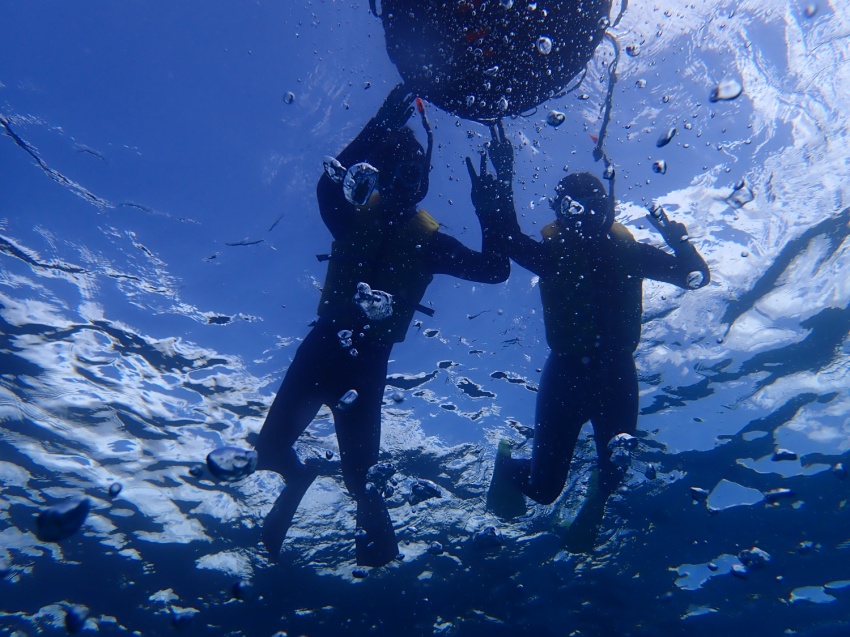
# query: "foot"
279,519
375,540
580,535
503,497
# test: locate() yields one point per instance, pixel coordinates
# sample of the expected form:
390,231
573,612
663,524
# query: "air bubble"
666,137
555,118
726,90
742,194
544,45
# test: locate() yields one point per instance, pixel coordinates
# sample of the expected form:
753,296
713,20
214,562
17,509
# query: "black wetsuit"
324,369
591,290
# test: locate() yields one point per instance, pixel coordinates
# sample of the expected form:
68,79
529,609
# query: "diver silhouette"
591,271
384,254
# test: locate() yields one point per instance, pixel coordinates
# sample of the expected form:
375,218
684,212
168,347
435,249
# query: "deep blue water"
158,233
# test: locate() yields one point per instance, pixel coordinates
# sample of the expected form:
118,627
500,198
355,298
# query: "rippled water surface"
158,233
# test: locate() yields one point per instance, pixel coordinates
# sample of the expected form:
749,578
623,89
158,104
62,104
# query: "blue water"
158,233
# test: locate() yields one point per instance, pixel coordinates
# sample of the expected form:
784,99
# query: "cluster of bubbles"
375,304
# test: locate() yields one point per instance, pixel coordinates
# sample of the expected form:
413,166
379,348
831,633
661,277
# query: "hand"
488,193
501,152
672,231
396,109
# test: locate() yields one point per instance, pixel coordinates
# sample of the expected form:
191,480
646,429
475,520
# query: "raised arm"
685,267
393,114
492,198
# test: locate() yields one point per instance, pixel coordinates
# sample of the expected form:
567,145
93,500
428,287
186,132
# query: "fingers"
483,162
471,170
494,134
400,92
654,222
497,133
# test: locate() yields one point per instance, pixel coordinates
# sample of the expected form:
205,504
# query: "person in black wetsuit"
394,248
591,271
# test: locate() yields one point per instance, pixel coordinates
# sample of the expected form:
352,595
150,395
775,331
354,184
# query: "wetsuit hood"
582,205
403,165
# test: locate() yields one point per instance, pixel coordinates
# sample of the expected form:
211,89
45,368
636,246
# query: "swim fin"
503,497
279,519
580,535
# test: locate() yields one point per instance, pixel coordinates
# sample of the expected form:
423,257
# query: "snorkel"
429,137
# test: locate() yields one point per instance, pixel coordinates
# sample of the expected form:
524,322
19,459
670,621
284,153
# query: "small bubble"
633,50
288,97
640,84
544,45
555,118
666,137
659,166
506,4
347,400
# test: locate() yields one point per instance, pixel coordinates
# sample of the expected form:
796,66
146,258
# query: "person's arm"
393,114
528,253
685,267
492,198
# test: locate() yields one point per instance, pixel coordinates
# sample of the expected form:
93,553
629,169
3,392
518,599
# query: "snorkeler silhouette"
591,271
384,254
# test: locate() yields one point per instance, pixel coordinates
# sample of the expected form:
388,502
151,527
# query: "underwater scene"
193,193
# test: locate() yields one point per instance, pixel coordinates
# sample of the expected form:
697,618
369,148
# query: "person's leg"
558,420
616,412
559,417
616,399
299,398
358,430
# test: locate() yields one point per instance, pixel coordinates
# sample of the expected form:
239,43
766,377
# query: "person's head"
403,165
582,205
